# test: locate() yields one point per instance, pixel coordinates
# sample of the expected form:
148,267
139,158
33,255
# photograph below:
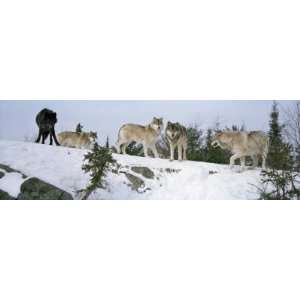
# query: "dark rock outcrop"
136,183
144,171
168,170
1,174
8,169
5,196
37,189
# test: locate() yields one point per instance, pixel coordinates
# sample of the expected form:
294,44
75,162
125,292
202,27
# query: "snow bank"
61,167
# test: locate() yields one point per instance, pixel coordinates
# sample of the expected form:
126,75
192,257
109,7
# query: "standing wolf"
242,144
146,135
46,120
176,135
82,140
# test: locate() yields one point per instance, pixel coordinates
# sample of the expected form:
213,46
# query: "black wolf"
46,120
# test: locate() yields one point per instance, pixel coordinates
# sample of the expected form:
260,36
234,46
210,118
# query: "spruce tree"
79,128
194,137
297,159
107,143
97,162
212,154
280,181
279,156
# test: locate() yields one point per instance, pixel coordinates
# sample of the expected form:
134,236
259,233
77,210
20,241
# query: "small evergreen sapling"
97,163
107,143
79,128
280,185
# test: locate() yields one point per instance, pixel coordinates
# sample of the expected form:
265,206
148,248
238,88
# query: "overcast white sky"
17,118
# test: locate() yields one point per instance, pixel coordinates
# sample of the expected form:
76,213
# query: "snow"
61,167
11,183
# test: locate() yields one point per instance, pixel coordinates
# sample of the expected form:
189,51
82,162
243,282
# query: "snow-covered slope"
61,167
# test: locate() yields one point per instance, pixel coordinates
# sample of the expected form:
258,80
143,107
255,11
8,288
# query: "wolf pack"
241,144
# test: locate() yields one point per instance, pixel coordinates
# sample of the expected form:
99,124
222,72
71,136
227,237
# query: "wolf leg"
180,152
51,139
123,147
184,153
232,160
263,164
154,150
243,162
171,152
145,150
118,147
39,136
54,136
44,137
255,161
264,157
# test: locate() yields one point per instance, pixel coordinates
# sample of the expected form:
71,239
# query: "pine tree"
280,181
279,156
297,159
212,154
107,143
97,163
195,138
279,185
79,128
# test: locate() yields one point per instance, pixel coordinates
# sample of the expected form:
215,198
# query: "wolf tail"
119,143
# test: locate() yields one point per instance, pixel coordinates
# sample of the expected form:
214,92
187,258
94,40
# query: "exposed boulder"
8,169
144,171
5,196
1,174
168,170
37,189
212,172
136,183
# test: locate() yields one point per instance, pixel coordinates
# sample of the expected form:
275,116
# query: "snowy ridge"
61,167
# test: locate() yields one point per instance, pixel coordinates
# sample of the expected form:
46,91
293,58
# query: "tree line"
279,181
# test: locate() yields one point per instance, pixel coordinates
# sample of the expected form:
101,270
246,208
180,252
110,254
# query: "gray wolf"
46,120
176,135
242,144
145,135
83,140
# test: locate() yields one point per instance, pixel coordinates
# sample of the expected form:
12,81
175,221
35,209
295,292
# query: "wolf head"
157,124
93,136
173,130
222,139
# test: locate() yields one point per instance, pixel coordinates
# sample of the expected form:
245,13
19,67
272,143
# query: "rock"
168,170
136,182
212,172
146,172
5,196
8,169
115,168
37,189
1,174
